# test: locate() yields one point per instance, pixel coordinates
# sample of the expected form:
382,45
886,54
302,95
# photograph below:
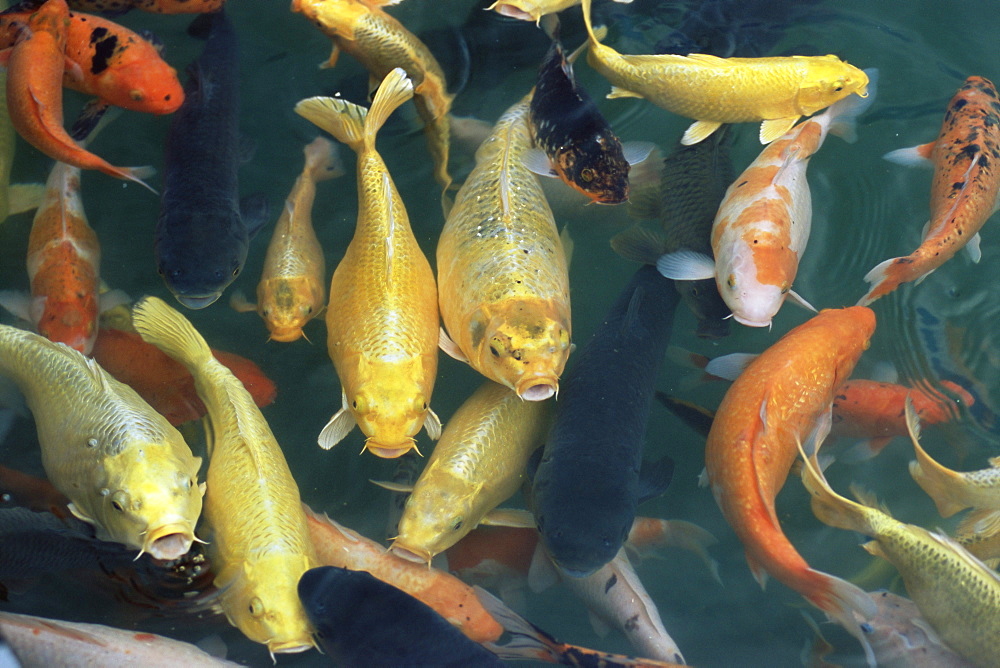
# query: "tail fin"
394,90
885,277
649,536
343,119
171,332
844,113
322,160
830,507
946,487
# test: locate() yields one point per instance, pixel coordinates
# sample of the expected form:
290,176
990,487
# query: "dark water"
865,210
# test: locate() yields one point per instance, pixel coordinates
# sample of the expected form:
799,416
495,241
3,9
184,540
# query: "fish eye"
236,272
494,351
587,174
117,506
309,310
354,404
456,524
731,281
839,86
424,406
256,607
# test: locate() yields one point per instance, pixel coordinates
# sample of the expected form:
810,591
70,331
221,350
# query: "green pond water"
865,210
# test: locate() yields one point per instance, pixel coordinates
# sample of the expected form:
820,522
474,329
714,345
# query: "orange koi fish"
783,395
107,60
154,6
35,69
763,224
965,191
165,384
874,411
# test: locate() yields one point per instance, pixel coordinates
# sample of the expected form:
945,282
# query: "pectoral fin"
339,426
79,514
775,127
542,573
729,367
972,248
509,517
239,302
537,162
432,424
639,244
617,92
914,156
23,197
797,299
332,60
686,265
449,347
392,486
698,131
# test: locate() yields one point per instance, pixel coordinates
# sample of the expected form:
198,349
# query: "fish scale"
502,269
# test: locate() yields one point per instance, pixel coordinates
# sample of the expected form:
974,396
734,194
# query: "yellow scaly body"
713,90
381,43
382,319
477,465
260,543
125,469
502,271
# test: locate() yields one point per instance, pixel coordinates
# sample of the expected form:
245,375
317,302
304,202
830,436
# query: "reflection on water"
866,210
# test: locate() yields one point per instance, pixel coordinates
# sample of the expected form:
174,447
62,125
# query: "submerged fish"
692,184
155,6
503,283
901,637
957,594
381,43
782,397
763,224
713,90
35,69
965,191
118,66
382,320
477,465
362,621
203,231
581,148
586,489
165,383
123,467
260,544
291,291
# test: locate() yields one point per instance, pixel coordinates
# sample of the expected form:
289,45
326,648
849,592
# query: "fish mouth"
169,542
410,555
752,323
289,646
286,335
391,451
537,389
197,302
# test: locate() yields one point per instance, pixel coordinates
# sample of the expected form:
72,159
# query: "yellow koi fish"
382,320
381,43
502,271
713,90
291,292
477,465
260,545
957,594
125,469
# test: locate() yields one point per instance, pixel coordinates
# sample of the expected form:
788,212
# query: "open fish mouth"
391,452
408,554
752,323
537,389
289,646
169,542
197,301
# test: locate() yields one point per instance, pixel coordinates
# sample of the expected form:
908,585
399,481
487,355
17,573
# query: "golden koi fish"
477,465
291,292
381,43
957,594
260,545
502,273
713,90
382,319
125,469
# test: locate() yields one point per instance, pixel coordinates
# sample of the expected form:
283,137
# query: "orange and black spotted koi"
580,145
109,61
965,191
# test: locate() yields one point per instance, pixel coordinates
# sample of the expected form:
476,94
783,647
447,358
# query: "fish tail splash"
170,331
352,124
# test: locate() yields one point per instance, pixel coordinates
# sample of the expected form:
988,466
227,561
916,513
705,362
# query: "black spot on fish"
958,185
970,151
612,581
631,623
959,103
104,47
743,183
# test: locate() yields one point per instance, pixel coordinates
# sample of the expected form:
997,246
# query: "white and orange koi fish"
763,223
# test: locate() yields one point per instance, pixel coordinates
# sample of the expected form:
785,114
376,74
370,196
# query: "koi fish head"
755,278
73,322
287,304
151,499
260,598
436,516
525,350
827,80
597,168
337,16
146,85
391,404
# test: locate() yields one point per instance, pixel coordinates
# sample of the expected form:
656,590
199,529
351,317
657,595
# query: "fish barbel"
125,469
503,284
713,90
382,319
260,545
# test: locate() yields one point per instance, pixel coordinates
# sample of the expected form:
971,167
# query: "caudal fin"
887,276
947,488
171,332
